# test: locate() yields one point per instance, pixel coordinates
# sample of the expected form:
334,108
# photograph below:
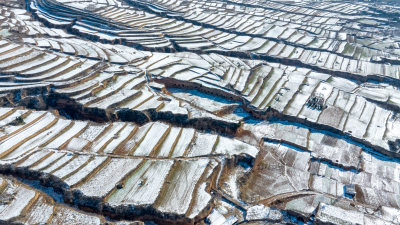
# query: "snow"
114,86
5,112
203,145
285,94
326,185
232,147
269,89
23,197
177,195
353,65
222,38
16,53
85,171
12,142
44,68
322,59
118,138
151,140
19,60
60,162
93,131
306,40
174,107
252,83
236,42
216,218
156,57
144,95
345,64
67,48
358,121
133,142
65,215
287,34
312,58
210,103
144,186
257,212
196,45
90,50
48,160
330,61
71,166
80,88
202,199
40,139
329,213
116,98
297,53
100,143
232,77
43,43
75,129
108,177
390,214
186,137
130,54
76,144
40,212
265,49
157,142
169,142
115,58
80,50
275,32
10,115
31,118
287,51
295,37
277,49
9,47
241,83
37,62
79,70
174,69
252,45
324,90
33,158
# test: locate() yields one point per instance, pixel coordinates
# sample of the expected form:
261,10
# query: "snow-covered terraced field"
214,112
282,42
278,91
154,164
24,205
172,183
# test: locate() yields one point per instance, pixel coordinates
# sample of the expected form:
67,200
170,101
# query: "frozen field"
216,112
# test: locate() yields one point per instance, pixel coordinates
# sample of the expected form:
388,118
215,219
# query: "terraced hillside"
199,112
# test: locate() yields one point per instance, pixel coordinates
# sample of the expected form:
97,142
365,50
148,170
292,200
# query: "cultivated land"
199,112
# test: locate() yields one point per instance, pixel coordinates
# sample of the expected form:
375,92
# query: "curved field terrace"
220,112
